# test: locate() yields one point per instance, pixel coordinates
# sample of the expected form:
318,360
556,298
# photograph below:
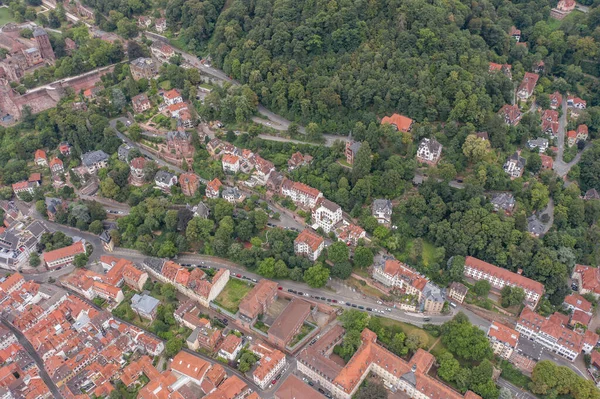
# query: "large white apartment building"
326,215
309,244
503,339
498,277
300,193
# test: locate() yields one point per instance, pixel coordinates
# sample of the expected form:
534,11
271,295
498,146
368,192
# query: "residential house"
309,244
503,201
382,211
123,152
214,146
504,340
298,160
231,163
576,102
65,148
56,166
550,122
93,92
230,347
458,292
141,103
511,113
201,210
53,205
350,234
94,160
527,86
143,68
24,186
588,279
326,215
144,21
185,119
556,100
175,110
160,25
397,275
498,278
504,68
539,67
145,306
263,168
270,363
547,162
540,143
207,337
107,242
433,299
591,194
400,122
429,151
165,180
515,33
40,158
137,176
63,256
535,227
233,195
582,133
162,51
172,97
515,165
300,193
352,148
179,144
566,5
189,183
212,188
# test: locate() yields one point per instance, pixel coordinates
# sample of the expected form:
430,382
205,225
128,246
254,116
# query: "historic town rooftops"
295,388
313,240
253,303
73,249
329,205
394,267
189,365
284,325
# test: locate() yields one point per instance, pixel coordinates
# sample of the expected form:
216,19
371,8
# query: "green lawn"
428,251
407,329
165,85
554,24
233,293
5,16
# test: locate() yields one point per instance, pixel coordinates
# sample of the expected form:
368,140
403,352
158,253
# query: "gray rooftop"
535,225
93,157
162,176
39,32
144,303
382,205
505,201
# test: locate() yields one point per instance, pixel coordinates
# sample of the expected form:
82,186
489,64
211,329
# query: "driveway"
561,167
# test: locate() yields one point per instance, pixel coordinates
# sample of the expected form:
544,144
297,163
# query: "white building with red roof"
576,102
511,113
498,277
309,244
350,234
527,85
172,96
588,279
553,334
556,100
212,188
63,256
504,340
231,163
40,158
56,166
301,193
577,302
395,274
270,363
230,347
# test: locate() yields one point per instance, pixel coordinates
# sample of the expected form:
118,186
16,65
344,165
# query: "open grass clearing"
233,293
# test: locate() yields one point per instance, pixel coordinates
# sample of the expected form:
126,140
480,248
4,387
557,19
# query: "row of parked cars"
330,300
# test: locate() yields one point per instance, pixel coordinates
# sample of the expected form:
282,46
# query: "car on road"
342,302
321,390
379,303
334,300
312,384
300,293
361,307
238,275
306,294
280,288
255,280
427,319
353,305
369,309
388,309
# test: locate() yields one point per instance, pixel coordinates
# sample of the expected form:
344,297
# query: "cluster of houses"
146,22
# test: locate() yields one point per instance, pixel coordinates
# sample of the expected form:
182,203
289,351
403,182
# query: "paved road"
517,393
52,86
38,360
561,167
549,210
538,352
126,140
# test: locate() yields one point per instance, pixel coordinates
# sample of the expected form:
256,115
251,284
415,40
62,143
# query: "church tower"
43,42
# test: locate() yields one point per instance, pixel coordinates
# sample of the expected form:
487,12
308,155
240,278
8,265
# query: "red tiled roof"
231,343
171,94
230,159
578,302
547,161
269,359
590,278
529,81
256,299
309,238
177,107
138,163
505,275
571,134
284,326
396,268
214,185
190,365
55,161
35,177
504,334
40,154
580,317
73,249
295,388
401,122
582,129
